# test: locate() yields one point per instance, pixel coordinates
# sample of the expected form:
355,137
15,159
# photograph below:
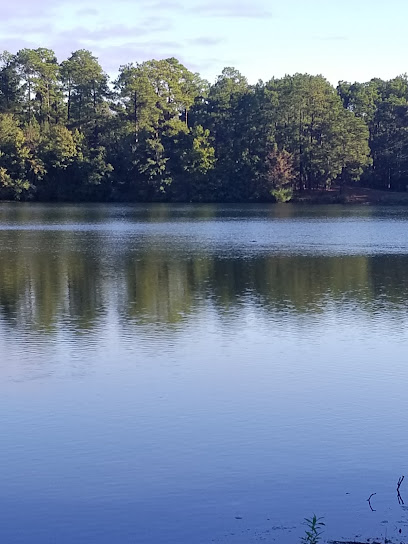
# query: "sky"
351,40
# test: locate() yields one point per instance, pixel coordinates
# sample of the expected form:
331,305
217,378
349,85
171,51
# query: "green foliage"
312,124
86,89
17,165
10,86
282,195
58,148
163,133
39,73
383,107
313,531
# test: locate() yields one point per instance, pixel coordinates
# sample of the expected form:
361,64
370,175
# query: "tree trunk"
69,99
135,119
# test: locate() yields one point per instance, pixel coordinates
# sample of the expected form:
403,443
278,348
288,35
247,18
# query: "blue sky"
343,40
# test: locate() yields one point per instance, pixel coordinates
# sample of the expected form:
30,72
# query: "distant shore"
346,195
352,195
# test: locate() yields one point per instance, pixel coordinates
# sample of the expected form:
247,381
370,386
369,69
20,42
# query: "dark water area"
198,374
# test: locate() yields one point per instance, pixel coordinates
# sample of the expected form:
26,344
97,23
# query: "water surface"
174,374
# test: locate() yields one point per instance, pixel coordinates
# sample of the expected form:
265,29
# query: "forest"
160,132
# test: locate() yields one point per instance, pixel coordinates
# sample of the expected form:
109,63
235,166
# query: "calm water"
188,375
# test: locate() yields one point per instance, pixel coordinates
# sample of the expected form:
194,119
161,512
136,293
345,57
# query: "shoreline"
345,196
352,196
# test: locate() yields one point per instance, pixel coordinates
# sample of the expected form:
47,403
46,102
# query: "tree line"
160,132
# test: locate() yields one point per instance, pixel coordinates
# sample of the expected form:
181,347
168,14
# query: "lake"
198,374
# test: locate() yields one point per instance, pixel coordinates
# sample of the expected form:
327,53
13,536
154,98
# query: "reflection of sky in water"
244,238
151,393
